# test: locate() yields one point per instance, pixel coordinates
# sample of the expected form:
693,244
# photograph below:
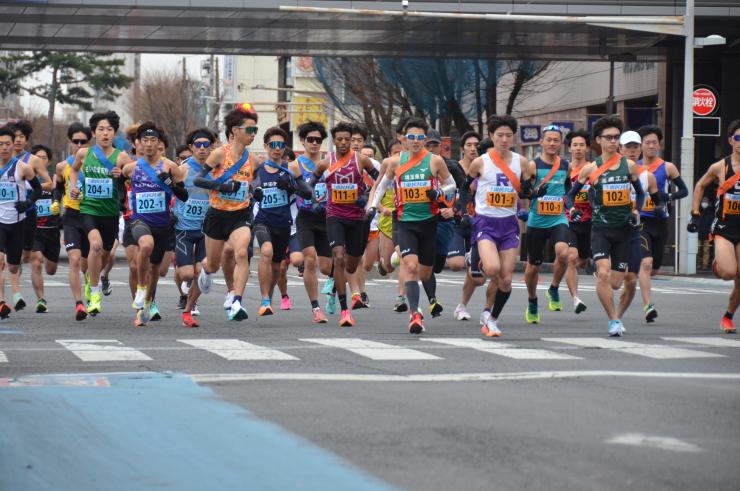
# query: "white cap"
630,137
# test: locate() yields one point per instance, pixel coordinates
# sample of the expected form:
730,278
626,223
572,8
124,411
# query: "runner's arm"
58,192
464,192
367,166
302,188
42,173
681,190
30,176
711,176
639,192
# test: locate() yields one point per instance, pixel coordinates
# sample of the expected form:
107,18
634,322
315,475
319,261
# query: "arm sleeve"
448,186
302,188
570,198
35,190
380,191
373,173
58,192
178,189
640,194
462,200
682,190
202,181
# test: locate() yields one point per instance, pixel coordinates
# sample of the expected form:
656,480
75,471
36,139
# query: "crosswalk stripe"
373,349
707,341
236,349
3,358
659,352
503,349
102,350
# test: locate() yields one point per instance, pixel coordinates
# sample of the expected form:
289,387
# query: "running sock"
343,301
554,292
729,314
154,293
314,304
265,301
78,302
430,288
285,296
412,294
238,298
498,302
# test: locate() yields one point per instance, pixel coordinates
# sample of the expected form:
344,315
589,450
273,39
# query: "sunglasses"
79,142
736,138
314,139
610,138
277,145
251,130
419,138
201,144
551,127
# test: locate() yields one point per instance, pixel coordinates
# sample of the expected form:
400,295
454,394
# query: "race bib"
195,209
549,205
273,198
240,195
415,191
731,204
98,188
501,197
344,194
8,191
616,194
152,202
43,208
319,192
649,204
582,196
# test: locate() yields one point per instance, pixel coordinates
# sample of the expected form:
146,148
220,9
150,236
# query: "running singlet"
727,209
612,204
191,213
319,191
67,200
44,217
495,195
151,203
239,200
11,192
582,201
99,195
661,178
274,209
549,210
344,186
412,202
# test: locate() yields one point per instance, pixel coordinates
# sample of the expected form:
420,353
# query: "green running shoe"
553,300
531,315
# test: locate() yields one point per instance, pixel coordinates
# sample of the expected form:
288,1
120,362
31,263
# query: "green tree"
77,79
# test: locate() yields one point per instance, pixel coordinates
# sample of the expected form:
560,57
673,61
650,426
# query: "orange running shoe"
80,312
188,321
318,316
345,319
5,310
265,309
357,302
416,324
727,325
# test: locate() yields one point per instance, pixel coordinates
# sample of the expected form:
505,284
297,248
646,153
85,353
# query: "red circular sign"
704,101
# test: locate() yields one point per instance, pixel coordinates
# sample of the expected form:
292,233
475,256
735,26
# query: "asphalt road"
280,403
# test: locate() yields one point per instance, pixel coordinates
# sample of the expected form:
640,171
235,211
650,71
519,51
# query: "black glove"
23,206
693,226
257,194
370,213
576,214
361,200
434,194
541,191
285,183
229,187
526,190
660,208
166,179
666,197
465,223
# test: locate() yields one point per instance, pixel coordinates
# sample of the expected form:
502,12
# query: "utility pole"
687,241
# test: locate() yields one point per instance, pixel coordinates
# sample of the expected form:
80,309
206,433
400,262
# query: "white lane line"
102,350
453,377
236,349
3,358
656,351
659,442
503,349
707,341
373,349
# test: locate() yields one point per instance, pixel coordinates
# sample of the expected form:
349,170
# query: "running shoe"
185,287
435,308
365,300
728,327
228,299
579,306
357,302
553,300
461,313
331,304
237,312
395,259
381,268
400,305
4,310
154,314
285,303
188,321
488,326
139,298
265,308
650,313
142,316
318,316
95,306
416,323
195,311
204,282
328,288
18,302
88,288
345,319
80,312
105,283
182,302
531,315
616,329
41,307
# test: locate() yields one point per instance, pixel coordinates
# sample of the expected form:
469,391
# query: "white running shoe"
578,306
395,259
204,282
461,313
237,312
616,328
488,326
229,299
138,302
184,287
195,311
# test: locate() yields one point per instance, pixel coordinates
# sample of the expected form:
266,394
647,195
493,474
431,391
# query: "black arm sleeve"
374,174
682,191
58,192
35,190
527,189
202,181
570,198
639,194
302,188
462,200
178,189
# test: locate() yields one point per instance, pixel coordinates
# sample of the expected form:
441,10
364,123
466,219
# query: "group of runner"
339,213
